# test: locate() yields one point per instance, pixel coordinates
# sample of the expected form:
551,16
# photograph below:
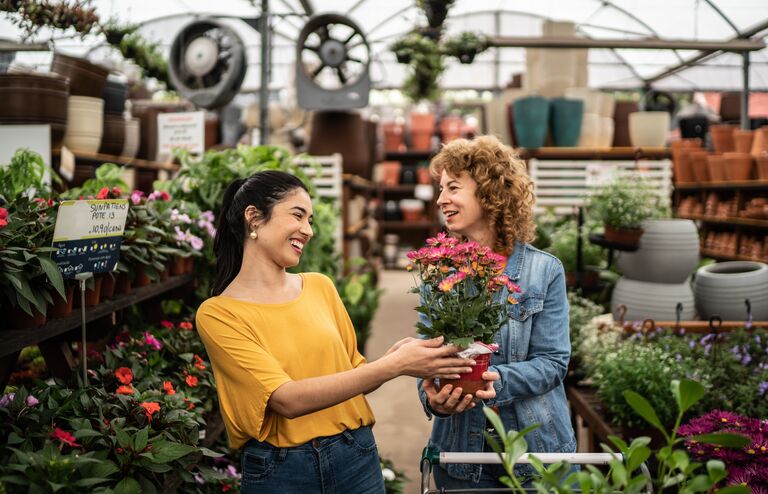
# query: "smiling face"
461,208
283,237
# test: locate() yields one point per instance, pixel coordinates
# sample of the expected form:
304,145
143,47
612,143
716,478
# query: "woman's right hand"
427,359
449,400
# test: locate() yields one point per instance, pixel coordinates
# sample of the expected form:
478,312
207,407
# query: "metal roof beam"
737,44
694,60
308,8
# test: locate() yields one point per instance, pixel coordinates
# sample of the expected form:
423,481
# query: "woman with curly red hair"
487,197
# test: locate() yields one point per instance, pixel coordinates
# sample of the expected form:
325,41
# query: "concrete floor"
401,427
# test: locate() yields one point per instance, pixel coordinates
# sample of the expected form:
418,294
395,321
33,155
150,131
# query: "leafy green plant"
394,479
626,202
28,276
107,175
676,471
465,46
361,297
426,65
24,175
564,244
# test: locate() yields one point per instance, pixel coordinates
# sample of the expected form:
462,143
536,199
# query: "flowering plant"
747,465
461,287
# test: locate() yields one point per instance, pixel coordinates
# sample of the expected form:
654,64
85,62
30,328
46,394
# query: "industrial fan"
207,63
332,64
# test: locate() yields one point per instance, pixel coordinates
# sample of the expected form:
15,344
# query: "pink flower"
32,401
151,341
166,324
136,197
196,242
3,217
159,194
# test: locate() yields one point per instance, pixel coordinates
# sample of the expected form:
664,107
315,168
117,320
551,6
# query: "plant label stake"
87,240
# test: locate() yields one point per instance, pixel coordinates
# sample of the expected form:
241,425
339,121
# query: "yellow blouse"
255,348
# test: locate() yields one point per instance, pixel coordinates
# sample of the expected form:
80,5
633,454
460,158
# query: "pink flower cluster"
746,466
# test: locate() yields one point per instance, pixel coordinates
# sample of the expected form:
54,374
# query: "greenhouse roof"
384,22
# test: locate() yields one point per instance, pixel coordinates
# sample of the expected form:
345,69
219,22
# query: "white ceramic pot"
648,128
722,288
607,105
656,301
668,253
131,144
85,120
605,137
590,131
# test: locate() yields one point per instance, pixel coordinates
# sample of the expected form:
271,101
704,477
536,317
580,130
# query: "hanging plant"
426,65
114,33
32,15
465,46
436,11
145,54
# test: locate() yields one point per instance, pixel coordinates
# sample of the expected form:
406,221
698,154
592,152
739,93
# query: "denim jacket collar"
514,268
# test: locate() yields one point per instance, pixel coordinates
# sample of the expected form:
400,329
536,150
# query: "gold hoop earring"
253,235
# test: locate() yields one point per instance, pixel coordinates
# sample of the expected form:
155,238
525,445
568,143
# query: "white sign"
185,130
88,235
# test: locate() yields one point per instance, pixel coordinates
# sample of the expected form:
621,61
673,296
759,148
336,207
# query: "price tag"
88,235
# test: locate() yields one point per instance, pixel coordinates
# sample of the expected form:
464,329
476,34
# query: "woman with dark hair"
288,374
487,197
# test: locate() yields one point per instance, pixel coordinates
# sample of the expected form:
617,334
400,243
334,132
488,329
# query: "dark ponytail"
263,190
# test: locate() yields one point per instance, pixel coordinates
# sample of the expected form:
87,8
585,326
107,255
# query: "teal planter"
531,116
565,119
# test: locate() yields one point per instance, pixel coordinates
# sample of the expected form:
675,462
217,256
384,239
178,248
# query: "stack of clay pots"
86,106
656,277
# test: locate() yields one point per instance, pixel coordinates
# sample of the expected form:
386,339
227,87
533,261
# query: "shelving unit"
750,232
51,336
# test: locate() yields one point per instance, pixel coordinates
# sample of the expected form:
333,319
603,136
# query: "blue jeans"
347,463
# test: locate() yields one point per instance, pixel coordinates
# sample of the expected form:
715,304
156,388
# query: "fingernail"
472,362
468,369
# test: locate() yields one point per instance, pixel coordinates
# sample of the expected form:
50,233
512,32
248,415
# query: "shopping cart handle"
437,458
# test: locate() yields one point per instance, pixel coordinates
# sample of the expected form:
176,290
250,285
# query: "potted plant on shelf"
463,289
622,205
465,46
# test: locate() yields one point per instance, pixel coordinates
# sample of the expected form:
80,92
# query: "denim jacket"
534,349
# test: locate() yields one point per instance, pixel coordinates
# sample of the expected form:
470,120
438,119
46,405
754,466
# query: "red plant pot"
471,382
141,278
62,307
622,236
108,286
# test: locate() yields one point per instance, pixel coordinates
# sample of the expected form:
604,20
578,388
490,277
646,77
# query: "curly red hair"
504,189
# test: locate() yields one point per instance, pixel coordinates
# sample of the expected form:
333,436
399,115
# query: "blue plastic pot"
531,116
565,118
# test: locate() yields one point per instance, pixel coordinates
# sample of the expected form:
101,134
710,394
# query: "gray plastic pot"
721,289
668,253
658,301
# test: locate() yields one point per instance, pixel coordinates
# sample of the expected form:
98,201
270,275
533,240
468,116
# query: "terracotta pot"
92,295
393,137
108,286
742,140
471,382
189,264
738,166
699,165
722,138
423,175
716,167
22,320
140,276
391,172
681,160
623,236
165,274
178,266
62,307
450,128
421,140
730,106
762,167
760,142
123,284
85,78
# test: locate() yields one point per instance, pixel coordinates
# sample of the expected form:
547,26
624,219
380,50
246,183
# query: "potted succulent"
622,205
465,46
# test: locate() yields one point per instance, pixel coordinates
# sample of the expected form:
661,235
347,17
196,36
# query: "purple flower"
7,399
746,359
199,478
762,388
232,472
136,196
32,401
207,216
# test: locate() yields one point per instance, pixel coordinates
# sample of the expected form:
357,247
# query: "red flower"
225,487
150,407
125,390
199,363
116,191
124,375
189,403
168,387
186,325
64,437
191,381
103,193
3,217
166,324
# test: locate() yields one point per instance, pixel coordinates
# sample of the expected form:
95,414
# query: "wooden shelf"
121,160
744,184
406,225
728,257
726,221
409,155
575,153
16,339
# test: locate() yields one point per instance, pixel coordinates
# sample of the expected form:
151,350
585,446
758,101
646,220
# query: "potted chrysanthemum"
463,292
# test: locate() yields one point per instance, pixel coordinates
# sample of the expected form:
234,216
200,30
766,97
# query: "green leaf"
140,440
53,274
645,410
716,470
687,393
724,439
127,486
734,489
90,481
354,291
637,457
165,451
123,439
105,468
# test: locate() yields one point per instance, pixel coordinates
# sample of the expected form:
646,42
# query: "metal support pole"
82,277
265,74
745,91
497,59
